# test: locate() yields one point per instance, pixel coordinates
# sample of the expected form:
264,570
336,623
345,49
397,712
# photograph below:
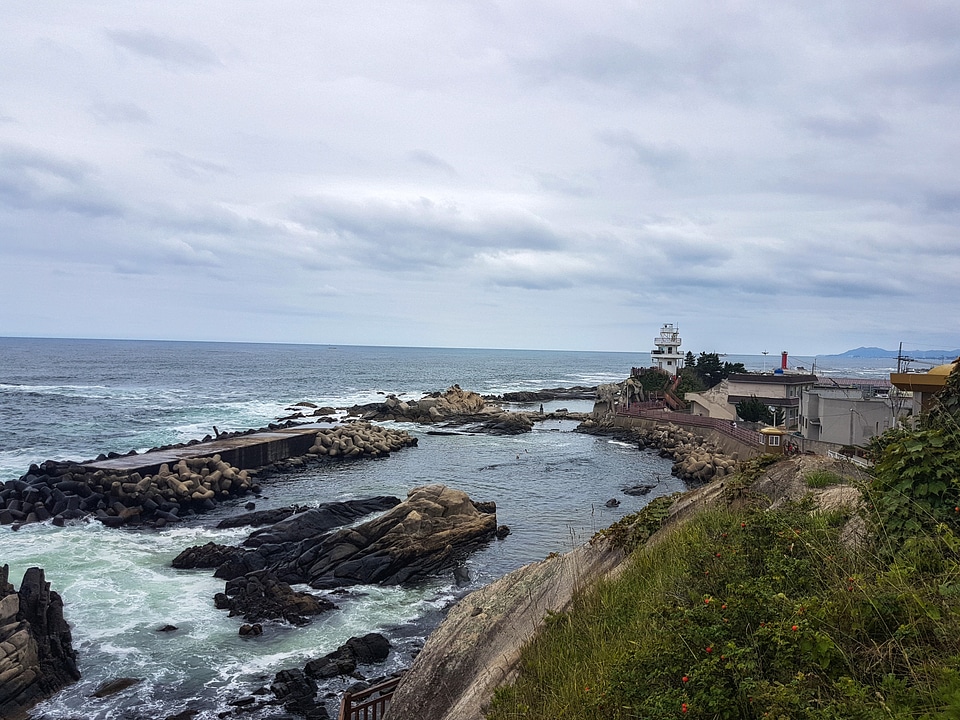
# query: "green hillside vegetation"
774,613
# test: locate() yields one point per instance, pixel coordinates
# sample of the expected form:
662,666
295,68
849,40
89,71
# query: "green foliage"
763,614
822,479
653,379
632,531
690,381
754,410
878,443
916,485
706,370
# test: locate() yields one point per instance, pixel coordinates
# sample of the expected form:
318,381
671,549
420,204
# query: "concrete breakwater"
162,486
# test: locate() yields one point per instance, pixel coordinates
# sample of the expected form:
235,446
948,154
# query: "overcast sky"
556,175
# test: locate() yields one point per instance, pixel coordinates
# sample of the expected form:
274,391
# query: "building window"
669,362
774,441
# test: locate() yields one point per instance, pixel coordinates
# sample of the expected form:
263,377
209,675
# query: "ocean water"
73,399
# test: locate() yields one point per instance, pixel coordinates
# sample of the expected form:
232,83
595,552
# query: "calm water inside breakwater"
77,398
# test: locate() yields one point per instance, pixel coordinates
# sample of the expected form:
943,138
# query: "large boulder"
36,651
319,520
428,532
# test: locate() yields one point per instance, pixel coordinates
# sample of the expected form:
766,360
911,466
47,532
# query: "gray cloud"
555,175
419,234
428,159
171,51
653,155
189,167
32,180
120,112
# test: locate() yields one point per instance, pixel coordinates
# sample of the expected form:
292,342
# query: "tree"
710,368
754,410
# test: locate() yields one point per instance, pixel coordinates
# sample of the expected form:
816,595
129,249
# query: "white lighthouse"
666,352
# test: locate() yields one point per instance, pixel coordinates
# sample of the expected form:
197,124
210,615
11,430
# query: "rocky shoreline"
428,533
696,459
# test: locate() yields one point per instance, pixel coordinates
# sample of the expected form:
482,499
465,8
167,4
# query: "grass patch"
753,615
822,479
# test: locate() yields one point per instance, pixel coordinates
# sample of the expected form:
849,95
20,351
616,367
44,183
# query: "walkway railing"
650,412
369,704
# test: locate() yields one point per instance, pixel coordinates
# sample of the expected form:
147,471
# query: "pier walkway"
245,452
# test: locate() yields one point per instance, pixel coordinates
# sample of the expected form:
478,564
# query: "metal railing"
369,704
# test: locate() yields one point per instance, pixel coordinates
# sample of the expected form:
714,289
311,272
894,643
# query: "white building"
666,352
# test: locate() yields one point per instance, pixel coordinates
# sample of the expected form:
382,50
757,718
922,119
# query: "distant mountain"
875,352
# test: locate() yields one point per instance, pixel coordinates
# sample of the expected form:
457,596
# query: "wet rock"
635,490
318,520
36,652
261,596
367,650
112,687
210,555
261,517
427,533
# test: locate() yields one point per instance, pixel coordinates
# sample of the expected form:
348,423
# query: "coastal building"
666,352
779,391
848,414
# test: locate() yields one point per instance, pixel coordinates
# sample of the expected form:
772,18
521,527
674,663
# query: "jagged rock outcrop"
36,652
260,595
212,555
296,689
253,590
508,423
257,518
453,404
428,532
577,392
366,650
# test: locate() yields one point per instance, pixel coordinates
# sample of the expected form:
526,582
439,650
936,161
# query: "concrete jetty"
245,452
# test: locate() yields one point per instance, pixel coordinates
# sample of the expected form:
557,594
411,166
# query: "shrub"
822,479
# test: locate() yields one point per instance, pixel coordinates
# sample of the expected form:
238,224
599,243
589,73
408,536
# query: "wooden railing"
369,704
